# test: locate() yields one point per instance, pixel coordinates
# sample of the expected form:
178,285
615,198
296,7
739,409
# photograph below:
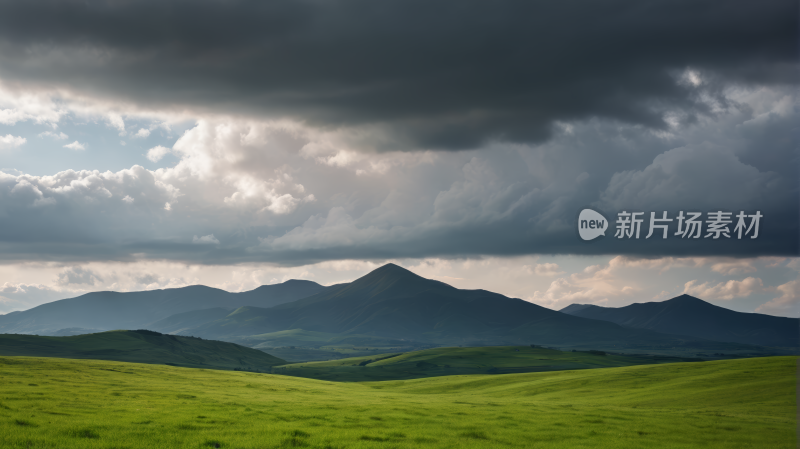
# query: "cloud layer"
325,131
283,192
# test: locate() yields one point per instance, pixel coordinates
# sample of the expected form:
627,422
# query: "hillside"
460,361
180,322
142,347
687,315
137,310
391,302
69,404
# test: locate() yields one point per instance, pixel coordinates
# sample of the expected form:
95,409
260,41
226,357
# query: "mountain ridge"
392,302
133,310
691,316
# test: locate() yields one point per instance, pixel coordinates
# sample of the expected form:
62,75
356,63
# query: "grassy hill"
300,337
49,403
687,315
298,345
142,347
455,361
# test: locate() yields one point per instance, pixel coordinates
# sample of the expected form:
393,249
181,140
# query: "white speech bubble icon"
591,224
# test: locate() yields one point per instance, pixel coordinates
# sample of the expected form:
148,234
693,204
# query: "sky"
158,144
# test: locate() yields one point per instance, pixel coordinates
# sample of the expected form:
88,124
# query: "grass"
456,361
60,403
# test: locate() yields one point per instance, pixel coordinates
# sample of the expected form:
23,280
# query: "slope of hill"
136,310
175,324
392,302
49,403
140,346
72,331
687,315
459,361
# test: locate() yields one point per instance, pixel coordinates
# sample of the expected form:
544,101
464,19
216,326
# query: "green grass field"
456,361
61,403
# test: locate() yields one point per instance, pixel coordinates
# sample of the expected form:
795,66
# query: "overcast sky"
162,143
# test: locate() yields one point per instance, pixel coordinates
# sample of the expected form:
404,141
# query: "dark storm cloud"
446,74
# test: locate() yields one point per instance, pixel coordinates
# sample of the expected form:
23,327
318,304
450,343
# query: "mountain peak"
390,272
391,268
573,308
389,276
686,299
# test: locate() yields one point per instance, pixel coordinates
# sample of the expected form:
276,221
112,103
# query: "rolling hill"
687,315
136,310
61,403
460,361
392,302
141,346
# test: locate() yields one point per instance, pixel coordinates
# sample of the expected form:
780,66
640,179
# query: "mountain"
392,302
687,315
141,346
135,310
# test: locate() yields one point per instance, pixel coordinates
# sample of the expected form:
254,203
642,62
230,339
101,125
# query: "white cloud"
155,154
205,240
142,133
662,296
59,136
734,267
77,146
77,276
565,291
248,160
724,265
548,269
115,121
128,199
788,304
9,141
724,290
37,106
595,284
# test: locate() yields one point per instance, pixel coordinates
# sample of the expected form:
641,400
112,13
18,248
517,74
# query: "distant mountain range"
394,303
137,310
687,315
392,308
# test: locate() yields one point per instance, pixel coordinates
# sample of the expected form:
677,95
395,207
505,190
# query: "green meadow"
455,361
62,403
